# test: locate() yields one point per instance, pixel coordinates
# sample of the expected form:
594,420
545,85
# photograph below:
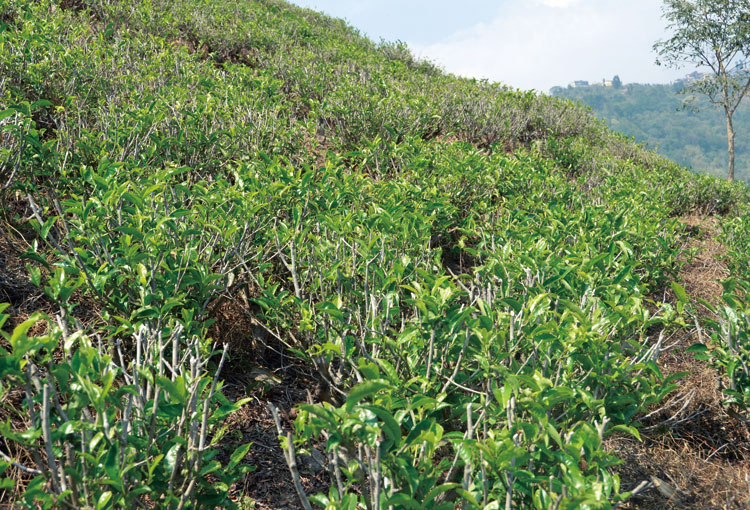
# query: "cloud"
557,3
552,42
419,21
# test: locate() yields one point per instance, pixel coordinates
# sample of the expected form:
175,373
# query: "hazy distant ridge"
654,114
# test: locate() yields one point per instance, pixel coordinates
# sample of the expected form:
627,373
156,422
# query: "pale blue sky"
529,44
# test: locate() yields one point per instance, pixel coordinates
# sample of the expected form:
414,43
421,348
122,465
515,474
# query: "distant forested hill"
654,114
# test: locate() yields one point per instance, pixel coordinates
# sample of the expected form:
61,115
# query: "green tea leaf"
680,292
239,453
364,390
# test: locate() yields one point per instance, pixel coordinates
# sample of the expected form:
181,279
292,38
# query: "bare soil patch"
270,486
16,288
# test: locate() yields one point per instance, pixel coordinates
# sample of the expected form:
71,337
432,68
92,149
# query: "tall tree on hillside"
713,34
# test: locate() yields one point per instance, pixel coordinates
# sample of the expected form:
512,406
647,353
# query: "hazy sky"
529,44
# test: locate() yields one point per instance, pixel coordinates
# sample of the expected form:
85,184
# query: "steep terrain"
252,259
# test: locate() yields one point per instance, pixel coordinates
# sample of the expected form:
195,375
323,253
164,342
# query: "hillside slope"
228,223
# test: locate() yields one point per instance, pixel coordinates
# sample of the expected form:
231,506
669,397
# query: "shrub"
116,427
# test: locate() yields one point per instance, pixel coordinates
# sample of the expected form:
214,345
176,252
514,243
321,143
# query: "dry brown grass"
700,276
692,446
681,475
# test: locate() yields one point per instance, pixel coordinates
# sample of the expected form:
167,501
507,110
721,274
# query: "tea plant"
729,349
736,236
109,431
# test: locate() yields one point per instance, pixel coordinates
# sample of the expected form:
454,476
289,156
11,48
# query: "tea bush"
106,431
728,327
729,350
736,236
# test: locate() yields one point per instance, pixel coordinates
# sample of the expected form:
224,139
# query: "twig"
470,431
290,458
458,362
57,482
642,487
27,470
454,466
429,353
378,487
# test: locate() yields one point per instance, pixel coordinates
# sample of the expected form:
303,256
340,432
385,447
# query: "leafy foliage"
108,433
469,269
730,343
716,35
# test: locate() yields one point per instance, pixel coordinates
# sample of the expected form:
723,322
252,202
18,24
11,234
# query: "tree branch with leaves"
712,34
